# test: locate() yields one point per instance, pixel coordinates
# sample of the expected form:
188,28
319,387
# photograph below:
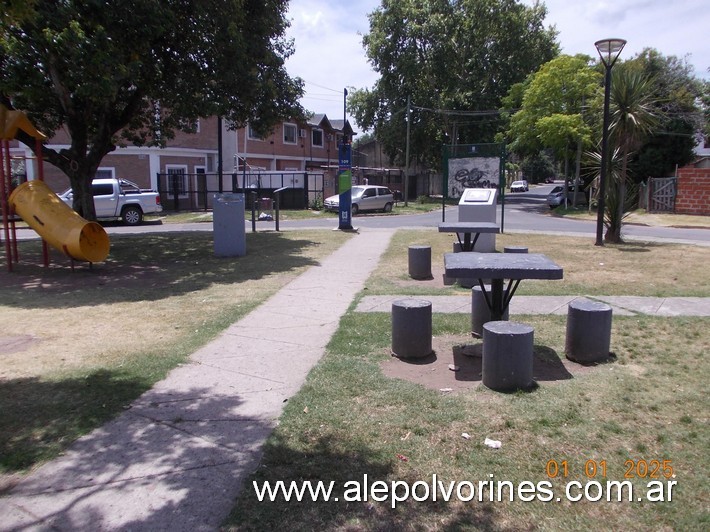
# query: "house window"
177,180
317,137
290,133
253,135
105,173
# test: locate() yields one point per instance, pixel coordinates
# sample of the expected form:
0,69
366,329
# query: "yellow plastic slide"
58,223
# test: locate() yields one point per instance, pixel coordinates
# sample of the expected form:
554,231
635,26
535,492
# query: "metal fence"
180,191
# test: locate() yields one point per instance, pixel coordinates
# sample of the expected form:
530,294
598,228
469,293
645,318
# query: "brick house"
291,147
693,188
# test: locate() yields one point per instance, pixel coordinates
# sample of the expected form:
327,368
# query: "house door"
200,186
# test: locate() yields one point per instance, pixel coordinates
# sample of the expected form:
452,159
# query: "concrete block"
411,328
480,313
507,355
420,262
588,337
515,249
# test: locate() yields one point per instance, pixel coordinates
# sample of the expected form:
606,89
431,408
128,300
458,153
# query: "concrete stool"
515,249
588,331
411,328
507,355
420,262
480,313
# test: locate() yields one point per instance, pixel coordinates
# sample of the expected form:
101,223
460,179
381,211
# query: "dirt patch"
16,343
465,353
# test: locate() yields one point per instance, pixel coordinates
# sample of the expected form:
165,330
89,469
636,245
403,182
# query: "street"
523,212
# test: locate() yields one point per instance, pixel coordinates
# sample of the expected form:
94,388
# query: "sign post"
345,180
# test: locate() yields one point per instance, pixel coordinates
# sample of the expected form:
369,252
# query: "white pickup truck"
120,198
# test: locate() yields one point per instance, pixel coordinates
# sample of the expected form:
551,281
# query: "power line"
323,87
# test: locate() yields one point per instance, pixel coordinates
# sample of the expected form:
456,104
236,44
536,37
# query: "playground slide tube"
58,224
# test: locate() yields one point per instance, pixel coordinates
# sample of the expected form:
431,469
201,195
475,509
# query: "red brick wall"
693,191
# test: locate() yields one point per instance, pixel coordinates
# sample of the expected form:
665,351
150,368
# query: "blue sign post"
345,180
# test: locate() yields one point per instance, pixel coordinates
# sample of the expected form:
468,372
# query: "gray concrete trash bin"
411,328
228,222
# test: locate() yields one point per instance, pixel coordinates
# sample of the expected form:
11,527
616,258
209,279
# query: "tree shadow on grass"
146,267
173,461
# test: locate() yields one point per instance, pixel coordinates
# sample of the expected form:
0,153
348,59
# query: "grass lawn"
613,422
78,346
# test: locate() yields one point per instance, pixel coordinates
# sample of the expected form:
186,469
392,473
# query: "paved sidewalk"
177,458
621,305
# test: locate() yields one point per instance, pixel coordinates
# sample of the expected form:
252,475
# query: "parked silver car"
556,197
364,198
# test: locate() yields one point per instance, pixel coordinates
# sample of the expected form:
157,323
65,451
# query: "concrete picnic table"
498,267
468,228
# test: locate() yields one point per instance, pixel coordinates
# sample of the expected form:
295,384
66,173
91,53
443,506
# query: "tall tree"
632,120
552,108
138,70
676,94
445,55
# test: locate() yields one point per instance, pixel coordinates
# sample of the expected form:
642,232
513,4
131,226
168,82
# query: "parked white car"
519,186
120,198
364,198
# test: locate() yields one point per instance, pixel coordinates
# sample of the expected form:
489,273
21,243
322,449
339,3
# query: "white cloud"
329,52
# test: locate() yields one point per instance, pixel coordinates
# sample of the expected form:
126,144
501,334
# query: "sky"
329,55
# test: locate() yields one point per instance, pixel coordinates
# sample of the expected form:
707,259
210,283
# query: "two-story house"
191,160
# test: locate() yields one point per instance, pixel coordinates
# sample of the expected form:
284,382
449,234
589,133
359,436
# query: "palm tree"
632,120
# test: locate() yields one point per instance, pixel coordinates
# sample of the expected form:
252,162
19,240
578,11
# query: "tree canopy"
677,97
136,71
447,56
553,105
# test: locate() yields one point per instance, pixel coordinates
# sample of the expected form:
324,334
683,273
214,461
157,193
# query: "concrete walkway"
177,458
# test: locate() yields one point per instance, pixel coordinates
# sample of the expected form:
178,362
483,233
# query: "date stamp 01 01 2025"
653,472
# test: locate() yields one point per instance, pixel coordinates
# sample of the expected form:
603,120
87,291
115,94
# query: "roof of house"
322,120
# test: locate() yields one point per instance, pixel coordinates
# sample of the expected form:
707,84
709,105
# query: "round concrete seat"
515,249
507,356
588,331
420,262
480,313
411,328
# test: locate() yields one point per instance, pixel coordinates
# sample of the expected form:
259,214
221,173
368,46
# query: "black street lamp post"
609,50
